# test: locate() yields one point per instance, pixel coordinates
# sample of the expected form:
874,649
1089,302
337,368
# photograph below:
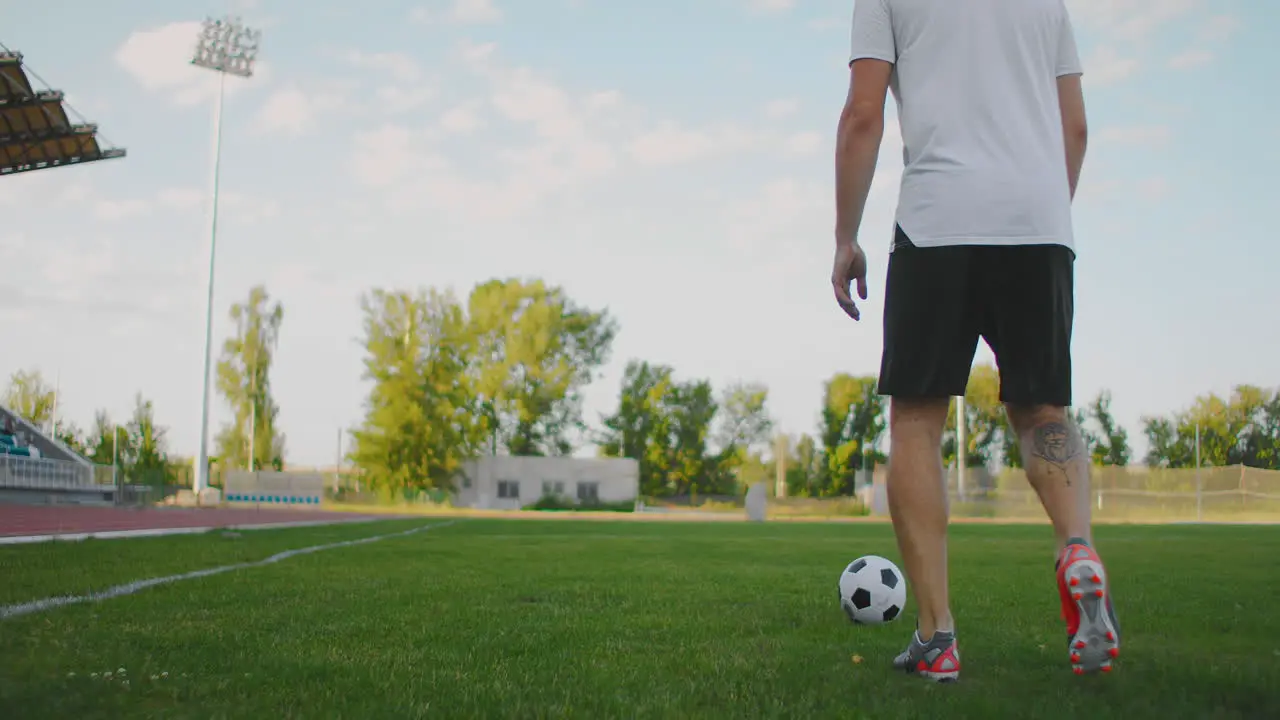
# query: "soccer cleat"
937,660
1093,633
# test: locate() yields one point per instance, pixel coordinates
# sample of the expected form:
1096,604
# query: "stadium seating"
14,445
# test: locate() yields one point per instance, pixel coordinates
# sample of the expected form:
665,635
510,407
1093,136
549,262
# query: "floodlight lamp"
226,45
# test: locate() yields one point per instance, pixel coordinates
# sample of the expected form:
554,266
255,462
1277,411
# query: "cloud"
1130,20
1133,25
546,139
771,6
803,143
406,85
159,59
1215,32
1137,134
462,119
1106,67
464,12
672,144
476,11
1190,59
181,198
114,210
397,66
1154,188
292,111
781,108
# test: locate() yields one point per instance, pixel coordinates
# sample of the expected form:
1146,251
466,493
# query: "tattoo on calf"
1057,443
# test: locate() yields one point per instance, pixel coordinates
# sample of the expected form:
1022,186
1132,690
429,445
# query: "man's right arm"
1075,128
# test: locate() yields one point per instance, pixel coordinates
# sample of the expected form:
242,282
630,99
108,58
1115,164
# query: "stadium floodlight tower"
227,47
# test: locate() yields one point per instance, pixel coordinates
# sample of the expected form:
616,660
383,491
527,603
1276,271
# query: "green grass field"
595,619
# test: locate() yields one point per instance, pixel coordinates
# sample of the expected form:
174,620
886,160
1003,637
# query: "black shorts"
940,300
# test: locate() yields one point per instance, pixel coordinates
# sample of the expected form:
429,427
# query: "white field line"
161,532
35,606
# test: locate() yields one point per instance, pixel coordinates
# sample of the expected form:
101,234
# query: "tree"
692,467
744,421
148,449
422,420
986,427
803,465
535,352
107,442
1241,429
1110,447
666,426
70,435
744,430
244,381
640,428
853,420
31,397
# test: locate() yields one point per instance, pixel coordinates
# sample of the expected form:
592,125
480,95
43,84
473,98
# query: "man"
994,133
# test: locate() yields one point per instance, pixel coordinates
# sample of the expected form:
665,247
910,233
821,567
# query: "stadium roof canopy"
35,132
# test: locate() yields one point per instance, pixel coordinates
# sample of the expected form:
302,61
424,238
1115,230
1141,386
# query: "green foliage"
853,421
244,381
1243,429
745,425
105,440
31,397
803,465
1110,447
986,426
666,426
558,503
422,419
70,435
506,371
535,351
139,448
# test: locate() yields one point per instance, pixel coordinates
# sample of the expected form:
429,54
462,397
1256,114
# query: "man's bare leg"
1057,465
918,505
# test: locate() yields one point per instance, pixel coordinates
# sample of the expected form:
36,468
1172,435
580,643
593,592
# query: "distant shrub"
564,504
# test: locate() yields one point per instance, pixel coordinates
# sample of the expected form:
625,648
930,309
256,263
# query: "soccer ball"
872,590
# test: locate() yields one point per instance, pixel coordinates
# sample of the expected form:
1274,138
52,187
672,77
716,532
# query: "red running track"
30,520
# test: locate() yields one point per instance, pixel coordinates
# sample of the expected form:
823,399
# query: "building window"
588,492
552,489
508,489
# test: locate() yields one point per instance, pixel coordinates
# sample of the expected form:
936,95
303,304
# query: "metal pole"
226,46
53,418
337,465
253,420
961,447
780,466
1199,490
202,462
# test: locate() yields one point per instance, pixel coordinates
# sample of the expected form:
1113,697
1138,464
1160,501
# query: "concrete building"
509,483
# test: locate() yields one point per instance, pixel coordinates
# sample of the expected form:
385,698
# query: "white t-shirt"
976,87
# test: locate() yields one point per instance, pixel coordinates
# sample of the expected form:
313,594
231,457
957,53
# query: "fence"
26,473
1212,494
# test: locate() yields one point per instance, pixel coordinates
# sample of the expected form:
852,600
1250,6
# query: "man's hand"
850,266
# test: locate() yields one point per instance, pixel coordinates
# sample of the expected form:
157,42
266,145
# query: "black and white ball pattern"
872,590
